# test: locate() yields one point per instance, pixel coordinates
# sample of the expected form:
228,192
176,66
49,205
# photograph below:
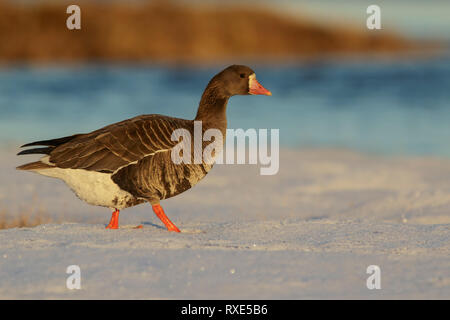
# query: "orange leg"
114,222
158,210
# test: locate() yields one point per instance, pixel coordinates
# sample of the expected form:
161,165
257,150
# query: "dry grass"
169,32
26,218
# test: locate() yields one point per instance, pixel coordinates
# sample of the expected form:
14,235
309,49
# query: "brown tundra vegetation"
174,33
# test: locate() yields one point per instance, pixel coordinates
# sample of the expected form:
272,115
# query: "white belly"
95,188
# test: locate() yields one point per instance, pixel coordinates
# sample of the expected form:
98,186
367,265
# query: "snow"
308,232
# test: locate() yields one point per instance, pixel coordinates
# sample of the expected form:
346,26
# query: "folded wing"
115,146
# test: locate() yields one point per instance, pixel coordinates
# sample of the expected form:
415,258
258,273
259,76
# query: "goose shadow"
146,223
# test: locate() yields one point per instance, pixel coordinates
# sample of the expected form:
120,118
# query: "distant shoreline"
168,33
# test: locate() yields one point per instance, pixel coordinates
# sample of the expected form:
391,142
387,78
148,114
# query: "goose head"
239,80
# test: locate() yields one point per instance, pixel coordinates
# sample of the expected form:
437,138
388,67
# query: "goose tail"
32,166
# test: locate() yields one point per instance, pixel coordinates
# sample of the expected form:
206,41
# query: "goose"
129,162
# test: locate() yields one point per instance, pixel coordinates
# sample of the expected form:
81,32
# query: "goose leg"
158,210
114,222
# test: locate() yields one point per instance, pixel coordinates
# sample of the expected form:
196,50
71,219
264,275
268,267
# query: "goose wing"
118,145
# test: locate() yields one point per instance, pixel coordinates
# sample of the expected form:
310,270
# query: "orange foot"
158,210
114,222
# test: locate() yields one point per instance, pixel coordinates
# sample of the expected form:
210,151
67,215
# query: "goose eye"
242,75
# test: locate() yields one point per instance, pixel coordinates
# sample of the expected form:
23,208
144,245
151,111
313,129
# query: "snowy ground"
309,232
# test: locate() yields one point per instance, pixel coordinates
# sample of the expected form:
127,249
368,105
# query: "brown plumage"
129,162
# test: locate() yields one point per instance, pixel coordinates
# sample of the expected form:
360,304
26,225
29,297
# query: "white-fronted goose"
129,162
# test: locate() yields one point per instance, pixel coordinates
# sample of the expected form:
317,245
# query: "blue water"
388,107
